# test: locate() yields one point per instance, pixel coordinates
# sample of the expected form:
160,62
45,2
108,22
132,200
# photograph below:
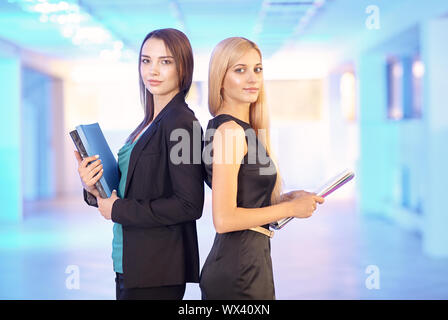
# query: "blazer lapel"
178,100
135,154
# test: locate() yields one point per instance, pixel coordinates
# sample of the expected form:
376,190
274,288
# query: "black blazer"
162,200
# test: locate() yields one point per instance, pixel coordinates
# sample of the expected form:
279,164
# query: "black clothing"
153,293
239,264
161,203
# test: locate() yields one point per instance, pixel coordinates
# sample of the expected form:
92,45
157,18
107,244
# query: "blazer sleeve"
90,199
187,181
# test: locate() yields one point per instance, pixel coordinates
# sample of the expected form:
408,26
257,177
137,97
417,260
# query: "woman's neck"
160,101
239,111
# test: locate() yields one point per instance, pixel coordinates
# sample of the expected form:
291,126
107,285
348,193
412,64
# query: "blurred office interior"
350,84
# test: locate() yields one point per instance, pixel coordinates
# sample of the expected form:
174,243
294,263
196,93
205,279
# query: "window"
404,88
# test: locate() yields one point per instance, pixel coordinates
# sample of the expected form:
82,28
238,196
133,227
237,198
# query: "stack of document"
332,185
335,183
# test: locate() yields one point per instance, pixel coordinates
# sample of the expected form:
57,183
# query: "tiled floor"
324,257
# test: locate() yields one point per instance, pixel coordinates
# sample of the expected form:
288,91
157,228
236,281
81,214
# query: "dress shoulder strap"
222,118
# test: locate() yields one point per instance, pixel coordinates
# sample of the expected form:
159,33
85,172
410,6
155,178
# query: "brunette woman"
159,199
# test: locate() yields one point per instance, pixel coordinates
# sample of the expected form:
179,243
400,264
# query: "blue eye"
239,70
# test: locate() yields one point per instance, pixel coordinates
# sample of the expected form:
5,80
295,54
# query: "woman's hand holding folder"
90,171
105,205
303,203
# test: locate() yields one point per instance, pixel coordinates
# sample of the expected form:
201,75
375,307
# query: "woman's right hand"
89,173
304,204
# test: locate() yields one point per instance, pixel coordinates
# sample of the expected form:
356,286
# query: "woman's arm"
227,217
90,199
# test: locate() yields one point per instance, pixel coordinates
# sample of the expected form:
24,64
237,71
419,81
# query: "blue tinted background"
350,84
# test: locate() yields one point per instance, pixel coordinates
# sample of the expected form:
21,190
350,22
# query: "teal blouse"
124,154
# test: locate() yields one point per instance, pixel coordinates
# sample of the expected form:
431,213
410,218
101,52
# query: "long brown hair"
224,56
179,46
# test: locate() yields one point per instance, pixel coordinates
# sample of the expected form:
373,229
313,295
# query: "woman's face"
158,68
243,80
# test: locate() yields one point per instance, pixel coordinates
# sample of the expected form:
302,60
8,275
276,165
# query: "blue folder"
92,140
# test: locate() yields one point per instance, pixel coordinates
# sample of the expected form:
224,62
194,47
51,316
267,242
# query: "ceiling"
115,28
206,22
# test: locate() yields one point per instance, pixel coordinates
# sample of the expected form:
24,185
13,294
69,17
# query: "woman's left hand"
105,205
291,195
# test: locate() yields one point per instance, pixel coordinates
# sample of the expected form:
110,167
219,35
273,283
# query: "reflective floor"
62,250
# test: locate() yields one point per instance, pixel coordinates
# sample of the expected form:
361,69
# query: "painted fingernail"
97,156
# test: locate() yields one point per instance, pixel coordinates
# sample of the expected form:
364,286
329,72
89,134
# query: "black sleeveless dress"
239,264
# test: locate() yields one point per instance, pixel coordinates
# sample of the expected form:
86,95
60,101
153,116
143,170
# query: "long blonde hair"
224,56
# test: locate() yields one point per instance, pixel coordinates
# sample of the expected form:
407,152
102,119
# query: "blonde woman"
246,188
